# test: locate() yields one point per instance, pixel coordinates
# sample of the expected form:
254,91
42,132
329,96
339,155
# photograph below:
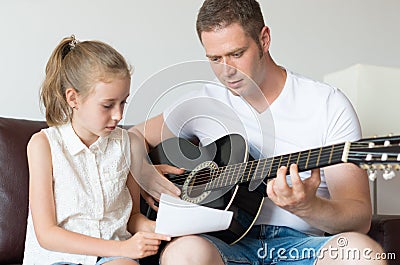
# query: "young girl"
84,203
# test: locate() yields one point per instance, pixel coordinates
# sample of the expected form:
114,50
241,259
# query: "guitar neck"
267,168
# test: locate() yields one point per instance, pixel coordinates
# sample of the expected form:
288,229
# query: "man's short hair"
218,14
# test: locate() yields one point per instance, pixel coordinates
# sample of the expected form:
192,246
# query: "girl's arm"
150,177
54,238
137,221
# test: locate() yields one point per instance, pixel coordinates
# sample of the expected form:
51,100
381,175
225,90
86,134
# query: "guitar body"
201,163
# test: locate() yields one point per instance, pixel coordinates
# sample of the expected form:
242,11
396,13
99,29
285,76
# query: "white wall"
374,92
312,37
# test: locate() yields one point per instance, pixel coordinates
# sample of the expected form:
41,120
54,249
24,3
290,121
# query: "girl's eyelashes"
108,106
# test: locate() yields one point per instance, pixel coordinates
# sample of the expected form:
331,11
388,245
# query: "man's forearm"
336,216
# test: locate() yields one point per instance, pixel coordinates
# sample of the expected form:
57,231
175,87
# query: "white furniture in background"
375,94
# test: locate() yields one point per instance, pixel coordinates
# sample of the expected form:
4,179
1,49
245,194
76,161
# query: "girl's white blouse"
90,191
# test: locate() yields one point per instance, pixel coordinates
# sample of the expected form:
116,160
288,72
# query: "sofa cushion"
14,179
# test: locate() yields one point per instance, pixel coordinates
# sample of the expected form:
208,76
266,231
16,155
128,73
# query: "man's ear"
265,39
71,96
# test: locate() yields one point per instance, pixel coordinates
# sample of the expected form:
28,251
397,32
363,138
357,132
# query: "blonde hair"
77,65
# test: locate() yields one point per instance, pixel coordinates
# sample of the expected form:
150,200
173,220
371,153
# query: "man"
300,208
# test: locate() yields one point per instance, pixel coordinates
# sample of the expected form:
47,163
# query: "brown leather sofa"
14,136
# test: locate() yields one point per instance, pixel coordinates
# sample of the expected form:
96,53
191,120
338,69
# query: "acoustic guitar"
223,175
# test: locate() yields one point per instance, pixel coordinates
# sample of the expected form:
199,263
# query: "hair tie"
73,43
67,48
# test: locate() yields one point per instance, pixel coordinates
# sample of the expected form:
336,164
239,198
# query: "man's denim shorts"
99,262
267,244
104,260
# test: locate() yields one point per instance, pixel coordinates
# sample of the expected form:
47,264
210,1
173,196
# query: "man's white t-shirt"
307,114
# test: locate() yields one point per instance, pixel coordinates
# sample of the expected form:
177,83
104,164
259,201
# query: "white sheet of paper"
176,217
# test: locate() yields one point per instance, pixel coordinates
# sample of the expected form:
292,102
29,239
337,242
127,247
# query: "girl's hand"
142,244
154,182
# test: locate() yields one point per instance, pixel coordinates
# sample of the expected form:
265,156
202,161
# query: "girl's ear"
72,97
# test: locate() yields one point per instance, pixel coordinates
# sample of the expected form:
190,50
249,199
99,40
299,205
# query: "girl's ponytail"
52,92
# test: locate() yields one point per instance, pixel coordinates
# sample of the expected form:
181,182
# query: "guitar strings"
226,171
311,157
355,155
256,174
260,174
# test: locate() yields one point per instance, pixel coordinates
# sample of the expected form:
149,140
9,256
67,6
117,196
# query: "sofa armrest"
385,229
14,179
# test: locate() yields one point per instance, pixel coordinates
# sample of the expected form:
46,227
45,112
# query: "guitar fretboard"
267,168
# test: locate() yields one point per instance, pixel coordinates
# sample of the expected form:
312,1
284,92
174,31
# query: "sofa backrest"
14,179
